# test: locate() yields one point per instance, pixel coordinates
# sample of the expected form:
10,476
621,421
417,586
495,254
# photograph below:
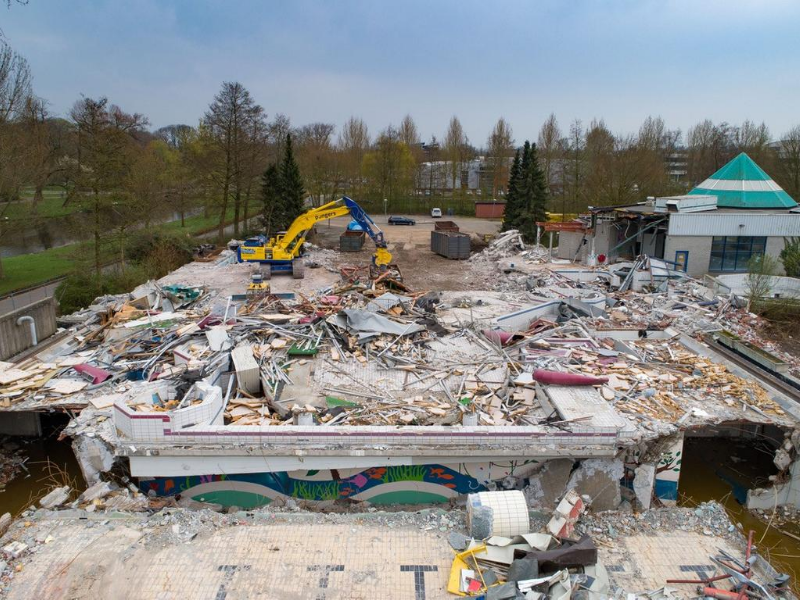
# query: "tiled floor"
642,562
329,562
288,561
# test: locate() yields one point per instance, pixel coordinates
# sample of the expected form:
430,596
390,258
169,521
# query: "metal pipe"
29,319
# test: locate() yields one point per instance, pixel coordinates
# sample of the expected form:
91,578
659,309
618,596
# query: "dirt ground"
410,246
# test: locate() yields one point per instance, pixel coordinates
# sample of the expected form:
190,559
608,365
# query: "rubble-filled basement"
538,389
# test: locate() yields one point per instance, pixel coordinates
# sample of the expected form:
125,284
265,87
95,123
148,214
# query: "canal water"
50,462
37,235
723,469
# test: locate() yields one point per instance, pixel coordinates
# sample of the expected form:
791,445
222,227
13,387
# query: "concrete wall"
699,252
27,424
16,338
19,300
568,244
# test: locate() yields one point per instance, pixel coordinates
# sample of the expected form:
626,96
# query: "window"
732,253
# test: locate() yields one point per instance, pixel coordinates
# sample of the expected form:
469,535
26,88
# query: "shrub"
79,290
143,244
790,256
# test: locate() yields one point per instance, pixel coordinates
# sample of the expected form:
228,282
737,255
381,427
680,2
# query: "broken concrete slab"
94,457
599,479
643,481
547,486
5,523
458,541
56,497
97,491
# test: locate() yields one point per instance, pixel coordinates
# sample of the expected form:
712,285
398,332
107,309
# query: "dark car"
401,221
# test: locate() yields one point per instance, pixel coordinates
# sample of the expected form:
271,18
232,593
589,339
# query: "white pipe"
29,319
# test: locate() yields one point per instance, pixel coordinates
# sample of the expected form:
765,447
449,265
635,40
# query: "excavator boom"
282,253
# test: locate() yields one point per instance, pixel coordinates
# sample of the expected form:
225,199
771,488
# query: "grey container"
351,241
450,244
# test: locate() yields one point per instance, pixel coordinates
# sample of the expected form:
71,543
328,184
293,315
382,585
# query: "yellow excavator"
281,254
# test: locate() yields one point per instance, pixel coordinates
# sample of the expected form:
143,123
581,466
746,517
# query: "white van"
436,213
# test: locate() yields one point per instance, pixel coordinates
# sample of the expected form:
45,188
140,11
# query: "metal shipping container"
351,241
450,244
445,226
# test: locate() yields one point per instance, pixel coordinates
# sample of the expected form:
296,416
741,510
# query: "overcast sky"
380,59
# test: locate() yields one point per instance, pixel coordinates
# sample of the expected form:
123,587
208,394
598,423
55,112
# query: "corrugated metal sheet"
708,224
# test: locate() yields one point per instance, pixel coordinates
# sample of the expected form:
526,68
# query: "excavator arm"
283,251
290,243
382,256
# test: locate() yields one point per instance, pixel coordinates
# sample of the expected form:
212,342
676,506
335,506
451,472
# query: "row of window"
733,253
728,253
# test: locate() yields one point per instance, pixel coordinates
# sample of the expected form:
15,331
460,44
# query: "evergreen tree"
532,196
511,212
271,200
291,187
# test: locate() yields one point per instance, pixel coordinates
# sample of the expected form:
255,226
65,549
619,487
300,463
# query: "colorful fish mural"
396,484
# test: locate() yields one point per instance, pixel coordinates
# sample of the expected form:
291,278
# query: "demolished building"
364,391
737,213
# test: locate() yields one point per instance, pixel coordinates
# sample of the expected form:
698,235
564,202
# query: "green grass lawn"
31,269
50,206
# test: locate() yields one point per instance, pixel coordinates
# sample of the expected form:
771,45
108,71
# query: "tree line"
232,167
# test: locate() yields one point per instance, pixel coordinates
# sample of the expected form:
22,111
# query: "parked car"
436,213
401,221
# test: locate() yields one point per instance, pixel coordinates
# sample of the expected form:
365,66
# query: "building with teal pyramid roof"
743,184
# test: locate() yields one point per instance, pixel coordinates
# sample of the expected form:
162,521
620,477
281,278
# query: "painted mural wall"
411,484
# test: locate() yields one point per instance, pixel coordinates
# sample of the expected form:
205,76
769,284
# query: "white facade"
738,223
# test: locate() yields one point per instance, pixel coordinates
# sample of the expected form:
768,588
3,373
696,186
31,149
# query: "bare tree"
710,147
175,136
408,132
277,130
500,151
575,167
788,162
754,140
551,150
103,158
456,146
15,82
226,121
353,144
390,166
318,161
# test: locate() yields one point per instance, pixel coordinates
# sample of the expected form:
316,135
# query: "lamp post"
385,208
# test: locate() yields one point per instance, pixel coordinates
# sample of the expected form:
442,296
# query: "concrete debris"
546,388
56,497
566,514
598,479
98,491
5,523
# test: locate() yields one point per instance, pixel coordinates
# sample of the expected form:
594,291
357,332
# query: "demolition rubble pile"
361,352
569,554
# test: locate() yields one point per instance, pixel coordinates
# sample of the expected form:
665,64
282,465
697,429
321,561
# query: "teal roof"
743,184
